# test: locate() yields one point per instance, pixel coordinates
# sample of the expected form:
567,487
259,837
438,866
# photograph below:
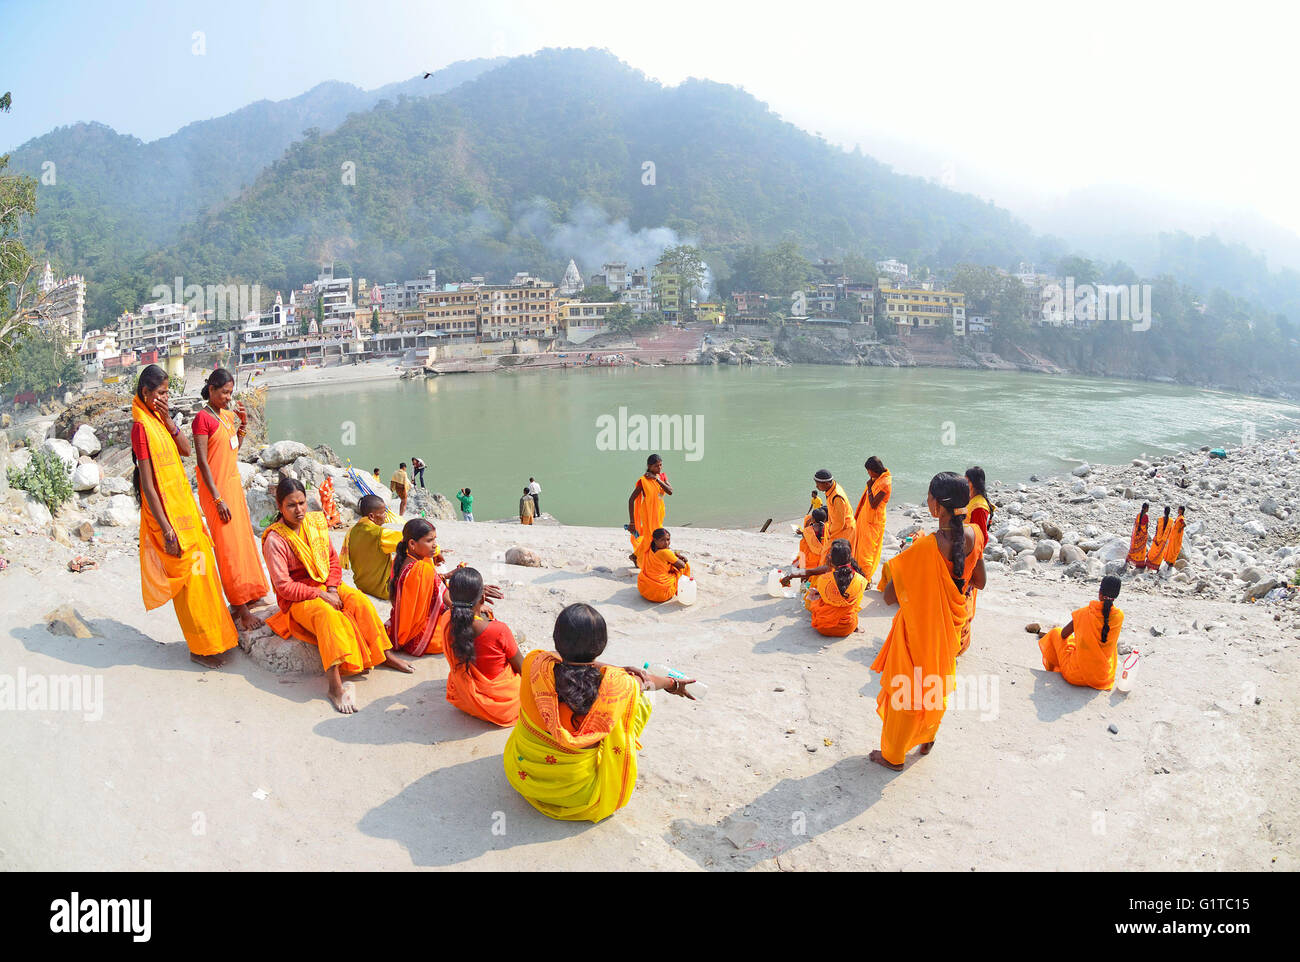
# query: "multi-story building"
751,307
667,294
914,308
583,320
526,307
640,298
96,348
713,312
405,296
452,311
62,307
154,327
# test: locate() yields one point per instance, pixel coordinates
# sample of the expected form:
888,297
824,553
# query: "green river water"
756,434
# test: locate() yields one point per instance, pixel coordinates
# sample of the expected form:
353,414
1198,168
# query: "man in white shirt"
417,469
535,490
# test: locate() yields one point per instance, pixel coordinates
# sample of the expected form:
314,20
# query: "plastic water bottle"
1128,671
686,590
696,689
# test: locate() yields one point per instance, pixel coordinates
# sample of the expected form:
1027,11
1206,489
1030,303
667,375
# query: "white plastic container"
697,689
774,583
1128,671
686,590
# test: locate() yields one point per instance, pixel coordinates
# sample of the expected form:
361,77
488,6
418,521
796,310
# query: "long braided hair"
413,530
1109,592
580,635
952,492
464,588
843,565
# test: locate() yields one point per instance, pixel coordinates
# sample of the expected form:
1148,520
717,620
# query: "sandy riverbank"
242,768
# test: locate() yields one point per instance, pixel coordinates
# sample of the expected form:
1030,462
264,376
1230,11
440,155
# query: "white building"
896,270
639,298
62,306
96,348
572,282
405,296
154,327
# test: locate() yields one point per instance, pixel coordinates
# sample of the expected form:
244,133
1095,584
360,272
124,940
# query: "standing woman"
1160,541
1175,547
315,606
1137,545
645,507
918,662
176,559
980,510
870,517
217,440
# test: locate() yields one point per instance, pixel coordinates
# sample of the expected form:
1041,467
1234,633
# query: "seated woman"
1084,651
811,545
368,548
661,569
483,660
837,590
315,605
417,591
572,754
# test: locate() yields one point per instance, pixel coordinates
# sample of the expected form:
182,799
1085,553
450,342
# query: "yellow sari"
585,776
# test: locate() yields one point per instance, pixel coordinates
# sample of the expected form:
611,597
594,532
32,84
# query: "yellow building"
915,308
711,311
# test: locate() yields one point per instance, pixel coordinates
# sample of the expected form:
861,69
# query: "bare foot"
245,620
208,661
397,664
879,759
632,558
925,749
345,700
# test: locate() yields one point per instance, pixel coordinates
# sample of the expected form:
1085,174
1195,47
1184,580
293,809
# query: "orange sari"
870,525
1159,541
918,662
811,547
648,513
494,700
1175,540
191,581
839,521
578,773
968,569
657,579
1137,545
1081,659
835,614
416,607
238,559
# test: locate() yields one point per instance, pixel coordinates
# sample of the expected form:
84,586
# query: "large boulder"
115,486
85,477
1046,550
284,452
247,472
261,504
120,511
1114,549
85,441
1017,543
1082,471
523,556
432,505
1072,554
35,511
308,470
1050,530
63,450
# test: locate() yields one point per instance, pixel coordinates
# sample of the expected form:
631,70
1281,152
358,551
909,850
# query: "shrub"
46,478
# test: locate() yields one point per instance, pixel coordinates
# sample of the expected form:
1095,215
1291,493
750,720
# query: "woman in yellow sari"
837,591
918,662
645,507
177,563
573,752
661,568
315,606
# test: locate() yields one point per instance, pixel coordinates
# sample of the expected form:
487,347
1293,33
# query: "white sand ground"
242,769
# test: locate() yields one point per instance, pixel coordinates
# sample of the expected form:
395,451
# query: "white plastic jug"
1128,671
686,590
774,583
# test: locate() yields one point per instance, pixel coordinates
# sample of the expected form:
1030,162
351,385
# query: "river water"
746,441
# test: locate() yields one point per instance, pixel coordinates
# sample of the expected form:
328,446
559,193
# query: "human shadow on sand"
1054,697
789,814
459,812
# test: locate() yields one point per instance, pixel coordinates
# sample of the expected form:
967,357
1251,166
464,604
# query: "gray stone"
85,477
65,621
1046,550
523,556
1270,507
1097,493
1259,589
1114,549
84,440
1077,569
1050,530
1082,471
115,486
119,512
1018,543
1113,728
247,472
1250,574
1023,563
63,450
1254,528
20,458
282,656
1071,554
284,452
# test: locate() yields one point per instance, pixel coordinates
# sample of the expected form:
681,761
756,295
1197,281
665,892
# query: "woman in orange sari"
1137,545
417,590
978,514
918,662
1085,650
315,606
836,591
1175,547
573,752
217,440
661,568
811,546
839,516
869,518
645,507
176,559
483,659
1159,542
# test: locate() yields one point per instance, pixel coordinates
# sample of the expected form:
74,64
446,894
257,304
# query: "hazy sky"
1001,99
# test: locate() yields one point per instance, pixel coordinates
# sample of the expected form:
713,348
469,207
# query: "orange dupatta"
657,580
869,523
1137,544
649,513
1175,547
1158,542
918,662
1081,659
835,614
417,606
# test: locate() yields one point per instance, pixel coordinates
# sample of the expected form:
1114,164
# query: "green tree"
19,303
650,319
687,262
44,365
374,320
596,293
620,320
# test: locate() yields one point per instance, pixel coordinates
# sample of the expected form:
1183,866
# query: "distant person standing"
401,486
535,490
417,469
466,504
526,507
377,477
